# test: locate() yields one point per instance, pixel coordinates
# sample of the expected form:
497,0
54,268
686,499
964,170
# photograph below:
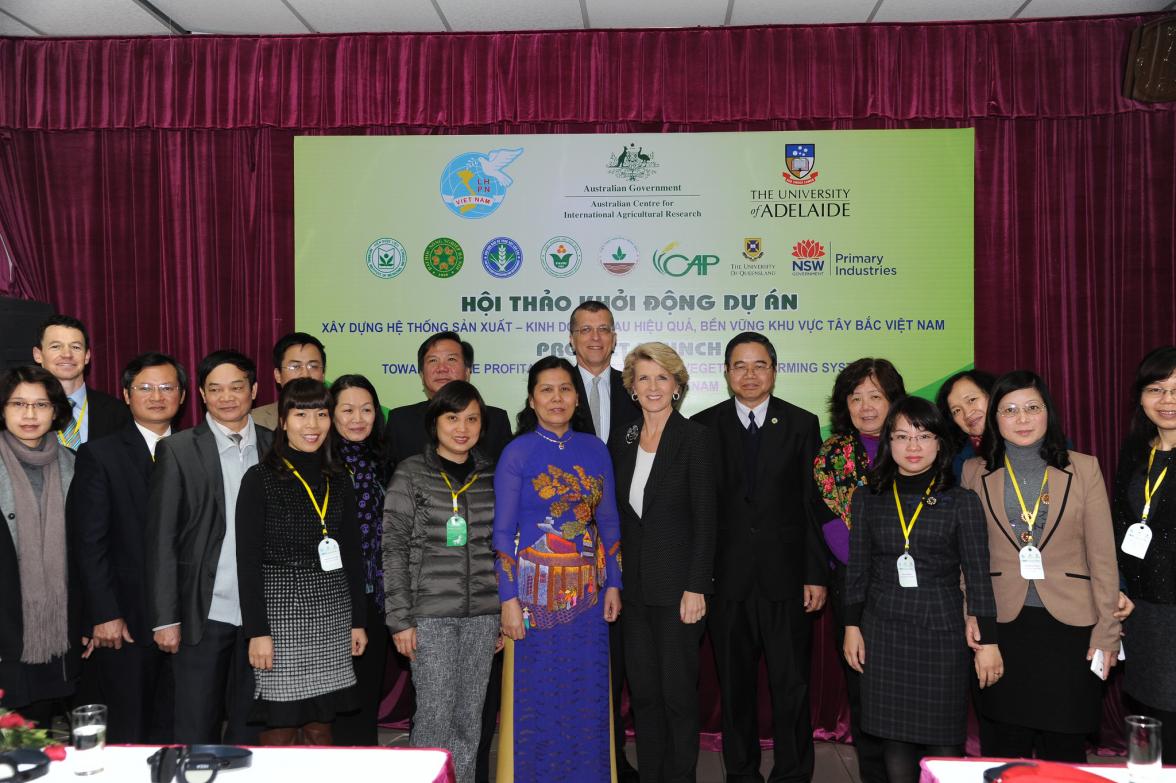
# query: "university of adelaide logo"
799,159
632,163
386,258
474,184
753,248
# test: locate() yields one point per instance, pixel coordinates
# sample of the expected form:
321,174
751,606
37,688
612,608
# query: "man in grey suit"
194,607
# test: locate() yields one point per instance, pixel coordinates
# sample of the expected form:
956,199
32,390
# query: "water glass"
89,738
1143,749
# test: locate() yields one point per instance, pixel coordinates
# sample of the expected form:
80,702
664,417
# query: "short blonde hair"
666,358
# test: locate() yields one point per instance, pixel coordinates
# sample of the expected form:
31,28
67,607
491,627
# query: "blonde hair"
666,358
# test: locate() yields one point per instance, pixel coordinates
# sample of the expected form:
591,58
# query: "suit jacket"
406,437
770,541
266,416
670,548
106,512
1081,585
622,411
185,528
107,414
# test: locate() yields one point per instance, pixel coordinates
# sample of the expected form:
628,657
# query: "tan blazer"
1081,585
266,416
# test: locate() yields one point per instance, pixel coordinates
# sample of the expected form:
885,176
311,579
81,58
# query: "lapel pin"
1045,498
931,501
775,420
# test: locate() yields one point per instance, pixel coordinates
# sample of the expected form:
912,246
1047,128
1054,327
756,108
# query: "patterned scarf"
366,475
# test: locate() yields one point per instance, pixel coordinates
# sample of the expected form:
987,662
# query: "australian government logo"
672,262
560,257
502,257
619,256
474,184
444,257
386,258
632,163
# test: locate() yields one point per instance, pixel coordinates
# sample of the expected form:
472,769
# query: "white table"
936,770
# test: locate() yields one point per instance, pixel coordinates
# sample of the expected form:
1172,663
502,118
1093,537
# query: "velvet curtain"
146,184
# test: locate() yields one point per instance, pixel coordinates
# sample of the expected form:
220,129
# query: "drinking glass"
1143,749
89,738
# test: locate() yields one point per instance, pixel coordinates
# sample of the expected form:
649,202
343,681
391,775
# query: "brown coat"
1081,585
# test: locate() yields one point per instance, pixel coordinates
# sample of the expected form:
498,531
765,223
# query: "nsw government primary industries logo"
474,184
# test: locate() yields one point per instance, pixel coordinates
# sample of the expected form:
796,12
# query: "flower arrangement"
16,732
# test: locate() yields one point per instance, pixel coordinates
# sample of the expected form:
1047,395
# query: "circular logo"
619,255
561,257
502,257
386,258
474,184
444,257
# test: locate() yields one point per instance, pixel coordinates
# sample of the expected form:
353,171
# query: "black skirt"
1047,684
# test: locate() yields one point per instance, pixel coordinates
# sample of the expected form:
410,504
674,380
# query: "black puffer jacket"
422,576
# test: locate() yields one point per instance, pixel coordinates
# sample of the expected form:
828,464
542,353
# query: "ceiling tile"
370,16
1042,8
656,13
747,12
476,16
93,17
10,26
945,10
247,17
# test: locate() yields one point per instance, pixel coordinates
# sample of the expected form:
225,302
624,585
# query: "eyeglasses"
299,366
584,331
742,368
903,439
1159,392
150,388
39,406
1012,411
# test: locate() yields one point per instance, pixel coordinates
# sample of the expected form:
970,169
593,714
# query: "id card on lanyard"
1030,556
456,533
330,558
1138,537
906,564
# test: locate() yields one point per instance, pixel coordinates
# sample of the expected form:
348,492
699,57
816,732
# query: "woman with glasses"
1052,555
1145,528
37,662
963,403
914,532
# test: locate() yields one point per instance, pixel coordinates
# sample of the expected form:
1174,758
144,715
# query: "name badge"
455,531
329,557
906,571
1137,540
1031,567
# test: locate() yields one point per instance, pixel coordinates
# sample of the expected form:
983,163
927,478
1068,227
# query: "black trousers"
214,682
661,659
1021,742
871,764
359,728
780,631
489,720
617,679
137,688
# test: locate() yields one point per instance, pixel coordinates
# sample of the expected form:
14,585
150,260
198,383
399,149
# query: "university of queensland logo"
474,184
386,258
799,162
632,163
753,248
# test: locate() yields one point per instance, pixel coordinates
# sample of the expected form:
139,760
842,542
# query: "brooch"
632,433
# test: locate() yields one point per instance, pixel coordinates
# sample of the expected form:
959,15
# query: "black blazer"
622,410
769,541
185,528
106,514
405,433
670,548
107,414
1149,579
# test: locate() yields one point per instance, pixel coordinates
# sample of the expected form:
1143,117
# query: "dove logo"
560,257
619,255
473,185
386,258
502,257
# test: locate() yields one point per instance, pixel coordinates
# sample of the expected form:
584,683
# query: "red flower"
808,248
13,720
55,752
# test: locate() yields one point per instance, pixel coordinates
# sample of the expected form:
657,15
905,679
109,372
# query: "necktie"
594,404
236,438
71,436
752,427
750,452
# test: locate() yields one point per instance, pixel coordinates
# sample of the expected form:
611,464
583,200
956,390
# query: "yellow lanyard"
320,510
1149,488
906,529
1029,519
457,494
77,427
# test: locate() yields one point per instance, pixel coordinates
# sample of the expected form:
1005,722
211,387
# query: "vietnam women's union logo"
560,257
502,257
474,184
386,258
444,257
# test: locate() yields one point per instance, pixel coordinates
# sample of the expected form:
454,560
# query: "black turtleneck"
458,471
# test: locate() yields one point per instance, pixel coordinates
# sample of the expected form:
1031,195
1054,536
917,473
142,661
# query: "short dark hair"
587,306
225,356
152,359
32,373
527,420
301,394
922,415
979,377
68,321
883,372
749,337
453,397
1054,450
375,441
286,342
1157,365
467,350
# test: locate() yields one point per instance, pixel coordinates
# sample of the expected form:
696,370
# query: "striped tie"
71,436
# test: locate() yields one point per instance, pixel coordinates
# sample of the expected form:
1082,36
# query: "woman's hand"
1125,608
498,645
972,633
261,652
692,608
358,642
989,664
612,604
854,648
405,642
512,619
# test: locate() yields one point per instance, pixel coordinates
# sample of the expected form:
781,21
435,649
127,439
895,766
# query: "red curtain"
146,184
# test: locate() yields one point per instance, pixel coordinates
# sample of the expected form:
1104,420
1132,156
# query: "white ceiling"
269,17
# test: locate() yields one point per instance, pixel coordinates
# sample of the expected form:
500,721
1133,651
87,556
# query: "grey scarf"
40,547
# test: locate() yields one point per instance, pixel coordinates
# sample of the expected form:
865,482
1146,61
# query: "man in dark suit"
605,408
770,564
195,608
63,348
107,516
